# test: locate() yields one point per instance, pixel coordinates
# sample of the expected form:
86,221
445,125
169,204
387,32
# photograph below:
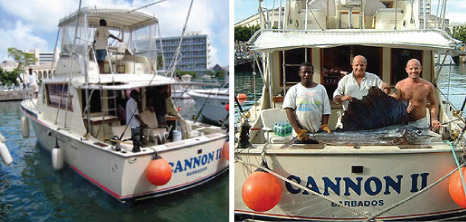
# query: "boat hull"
122,174
213,106
366,182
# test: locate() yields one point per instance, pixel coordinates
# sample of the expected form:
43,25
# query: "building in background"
46,63
195,52
274,16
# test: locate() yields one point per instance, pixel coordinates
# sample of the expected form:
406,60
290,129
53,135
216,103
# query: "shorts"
100,55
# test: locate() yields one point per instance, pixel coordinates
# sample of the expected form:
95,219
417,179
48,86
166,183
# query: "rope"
305,188
414,195
458,165
369,218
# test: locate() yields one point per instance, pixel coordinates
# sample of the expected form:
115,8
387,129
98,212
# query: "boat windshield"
139,38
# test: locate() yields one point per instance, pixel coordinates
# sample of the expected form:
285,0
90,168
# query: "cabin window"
336,63
57,96
291,61
399,59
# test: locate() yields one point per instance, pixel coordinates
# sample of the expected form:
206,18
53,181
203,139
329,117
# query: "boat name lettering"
371,186
196,171
195,162
359,203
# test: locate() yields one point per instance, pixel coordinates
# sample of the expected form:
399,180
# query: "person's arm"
324,126
338,95
433,109
326,111
397,94
112,36
386,88
294,123
292,119
143,124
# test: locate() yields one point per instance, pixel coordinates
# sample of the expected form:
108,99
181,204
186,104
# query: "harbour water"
31,190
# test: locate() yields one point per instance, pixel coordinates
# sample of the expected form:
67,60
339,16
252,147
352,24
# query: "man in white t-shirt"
357,83
33,82
100,39
307,105
133,120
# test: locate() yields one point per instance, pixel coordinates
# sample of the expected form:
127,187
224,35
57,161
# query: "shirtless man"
417,90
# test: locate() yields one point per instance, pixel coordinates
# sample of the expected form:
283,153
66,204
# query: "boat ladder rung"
108,97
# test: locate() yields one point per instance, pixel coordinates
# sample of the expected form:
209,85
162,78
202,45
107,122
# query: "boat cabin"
389,33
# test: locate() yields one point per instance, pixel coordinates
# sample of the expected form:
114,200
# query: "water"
456,93
30,190
456,81
251,86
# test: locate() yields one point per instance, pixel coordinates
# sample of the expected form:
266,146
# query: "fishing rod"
203,105
244,128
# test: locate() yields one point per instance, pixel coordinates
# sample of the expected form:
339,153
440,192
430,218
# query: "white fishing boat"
336,180
181,91
77,114
212,103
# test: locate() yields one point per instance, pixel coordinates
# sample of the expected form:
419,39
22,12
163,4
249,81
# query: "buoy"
2,139
227,107
5,153
241,96
261,191
159,172
226,150
25,127
179,109
57,157
456,188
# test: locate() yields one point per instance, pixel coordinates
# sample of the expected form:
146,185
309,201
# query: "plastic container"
177,133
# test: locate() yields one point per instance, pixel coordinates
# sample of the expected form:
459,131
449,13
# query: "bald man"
416,91
357,83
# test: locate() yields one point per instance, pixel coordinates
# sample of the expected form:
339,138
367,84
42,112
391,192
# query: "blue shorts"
100,55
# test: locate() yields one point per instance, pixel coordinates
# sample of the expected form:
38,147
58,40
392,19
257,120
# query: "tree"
219,74
244,33
160,61
180,73
23,59
8,78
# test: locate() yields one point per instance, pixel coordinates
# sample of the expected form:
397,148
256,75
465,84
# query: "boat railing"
312,15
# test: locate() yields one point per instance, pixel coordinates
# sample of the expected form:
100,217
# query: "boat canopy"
124,81
118,17
137,28
277,40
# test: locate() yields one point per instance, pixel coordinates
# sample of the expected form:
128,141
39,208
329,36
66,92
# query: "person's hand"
436,124
325,128
385,86
151,109
410,107
346,98
302,135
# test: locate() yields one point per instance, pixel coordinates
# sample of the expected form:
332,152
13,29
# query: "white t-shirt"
32,79
349,86
101,36
132,107
309,105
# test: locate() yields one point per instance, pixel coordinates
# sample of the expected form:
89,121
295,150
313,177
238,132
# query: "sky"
29,24
456,9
